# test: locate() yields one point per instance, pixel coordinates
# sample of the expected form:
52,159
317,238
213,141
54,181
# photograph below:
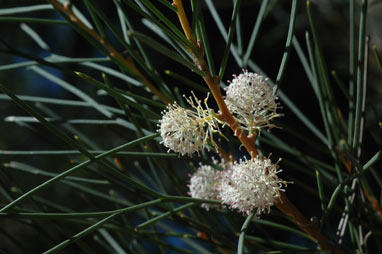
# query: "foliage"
85,83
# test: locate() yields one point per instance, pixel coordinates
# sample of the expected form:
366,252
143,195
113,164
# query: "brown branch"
284,205
113,53
184,21
288,208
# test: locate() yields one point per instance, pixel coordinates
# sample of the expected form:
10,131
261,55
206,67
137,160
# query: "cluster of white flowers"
251,101
248,97
180,130
202,185
248,185
187,131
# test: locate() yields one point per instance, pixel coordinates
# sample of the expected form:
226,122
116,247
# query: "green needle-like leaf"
373,160
240,247
32,20
29,169
62,136
164,215
288,44
221,28
165,51
97,225
320,190
25,9
255,32
360,75
231,32
378,58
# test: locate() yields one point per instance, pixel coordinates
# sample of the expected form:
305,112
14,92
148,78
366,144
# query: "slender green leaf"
76,91
32,20
97,225
168,22
164,215
29,169
360,75
95,19
280,227
187,82
206,44
351,71
323,75
255,32
373,160
320,190
221,28
277,244
153,27
231,32
29,31
74,152
26,9
240,247
165,51
62,102
303,59
288,43
114,93
178,36
377,57
341,85
61,135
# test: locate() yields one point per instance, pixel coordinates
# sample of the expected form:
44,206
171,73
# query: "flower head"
202,185
249,185
251,101
187,131
180,130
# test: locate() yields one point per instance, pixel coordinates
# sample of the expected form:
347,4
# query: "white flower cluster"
250,185
251,101
202,185
186,131
248,97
